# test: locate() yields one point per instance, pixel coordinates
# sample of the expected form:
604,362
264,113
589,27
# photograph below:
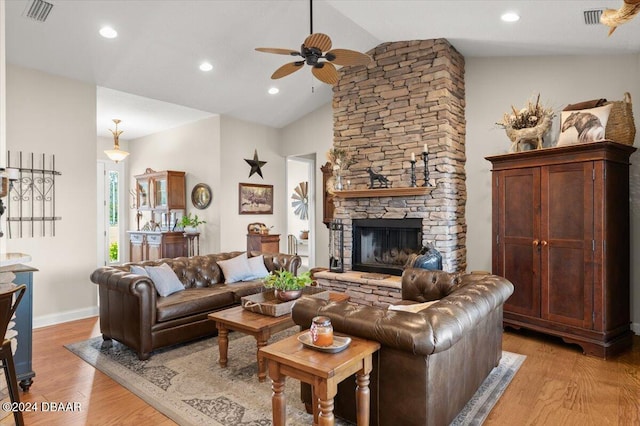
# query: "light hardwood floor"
556,385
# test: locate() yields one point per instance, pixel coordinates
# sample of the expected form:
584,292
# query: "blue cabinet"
24,326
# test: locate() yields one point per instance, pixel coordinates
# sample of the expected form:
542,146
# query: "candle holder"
425,160
413,173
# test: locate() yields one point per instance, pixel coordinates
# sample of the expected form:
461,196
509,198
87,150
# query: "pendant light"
116,154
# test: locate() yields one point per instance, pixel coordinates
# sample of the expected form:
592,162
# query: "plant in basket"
287,286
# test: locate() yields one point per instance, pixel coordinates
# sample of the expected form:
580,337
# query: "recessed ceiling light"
510,17
108,32
206,66
274,90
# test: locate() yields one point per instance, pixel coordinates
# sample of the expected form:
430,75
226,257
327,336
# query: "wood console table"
323,371
265,243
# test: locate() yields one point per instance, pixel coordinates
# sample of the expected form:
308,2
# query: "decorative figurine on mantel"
527,125
383,182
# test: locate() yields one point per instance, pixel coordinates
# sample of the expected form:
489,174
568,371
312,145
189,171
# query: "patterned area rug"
186,384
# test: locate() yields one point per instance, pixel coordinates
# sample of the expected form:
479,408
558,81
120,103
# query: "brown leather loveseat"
132,312
431,362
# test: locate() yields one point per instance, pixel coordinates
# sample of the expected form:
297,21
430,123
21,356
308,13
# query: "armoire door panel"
567,248
520,204
520,267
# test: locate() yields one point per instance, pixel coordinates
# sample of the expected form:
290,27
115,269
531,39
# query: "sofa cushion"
164,279
236,269
193,301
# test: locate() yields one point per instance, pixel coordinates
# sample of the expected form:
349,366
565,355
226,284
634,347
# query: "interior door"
517,236
567,243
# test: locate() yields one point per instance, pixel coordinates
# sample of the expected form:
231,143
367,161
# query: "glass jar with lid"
321,331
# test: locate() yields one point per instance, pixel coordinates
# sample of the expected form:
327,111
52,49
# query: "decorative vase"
338,184
287,295
190,230
304,235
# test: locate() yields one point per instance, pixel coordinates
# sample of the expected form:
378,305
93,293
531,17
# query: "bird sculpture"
615,17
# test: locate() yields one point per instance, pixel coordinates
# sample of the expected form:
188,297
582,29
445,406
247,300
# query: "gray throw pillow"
165,280
258,270
138,270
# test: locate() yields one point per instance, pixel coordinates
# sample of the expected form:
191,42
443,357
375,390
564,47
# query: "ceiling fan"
315,51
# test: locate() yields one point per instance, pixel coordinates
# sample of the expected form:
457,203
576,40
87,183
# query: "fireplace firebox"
385,245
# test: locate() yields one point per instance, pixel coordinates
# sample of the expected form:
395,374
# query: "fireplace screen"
385,245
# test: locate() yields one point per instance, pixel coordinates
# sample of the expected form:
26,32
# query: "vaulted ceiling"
160,45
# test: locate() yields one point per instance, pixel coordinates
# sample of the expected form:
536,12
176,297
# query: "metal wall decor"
31,201
300,201
255,164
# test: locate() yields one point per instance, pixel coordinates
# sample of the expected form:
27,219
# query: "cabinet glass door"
143,194
160,186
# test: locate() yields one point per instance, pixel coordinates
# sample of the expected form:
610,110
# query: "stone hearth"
411,94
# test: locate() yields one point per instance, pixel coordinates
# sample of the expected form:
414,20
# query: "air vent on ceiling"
592,17
38,10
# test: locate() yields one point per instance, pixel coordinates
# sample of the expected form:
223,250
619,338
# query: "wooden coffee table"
323,371
262,327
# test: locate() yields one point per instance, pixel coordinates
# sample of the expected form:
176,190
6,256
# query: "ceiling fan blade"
278,51
319,41
326,73
348,57
287,69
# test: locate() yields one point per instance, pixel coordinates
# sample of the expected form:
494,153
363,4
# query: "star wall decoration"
255,164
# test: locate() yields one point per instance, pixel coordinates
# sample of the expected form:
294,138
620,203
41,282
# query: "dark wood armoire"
561,236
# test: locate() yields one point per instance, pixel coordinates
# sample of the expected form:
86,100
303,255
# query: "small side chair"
8,307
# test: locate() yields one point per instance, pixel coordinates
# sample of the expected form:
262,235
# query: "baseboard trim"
57,318
635,327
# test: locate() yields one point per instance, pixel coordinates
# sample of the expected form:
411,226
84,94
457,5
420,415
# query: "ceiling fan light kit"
316,52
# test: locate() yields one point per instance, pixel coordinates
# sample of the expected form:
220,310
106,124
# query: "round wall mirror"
201,196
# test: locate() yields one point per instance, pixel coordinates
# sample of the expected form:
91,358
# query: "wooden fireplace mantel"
383,192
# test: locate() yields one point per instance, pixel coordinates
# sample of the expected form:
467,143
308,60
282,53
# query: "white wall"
3,106
313,133
54,115
239,139
195,149
493,85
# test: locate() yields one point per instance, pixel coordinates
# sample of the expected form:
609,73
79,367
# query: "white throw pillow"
258,270
138,270
165,280
235,269
416,307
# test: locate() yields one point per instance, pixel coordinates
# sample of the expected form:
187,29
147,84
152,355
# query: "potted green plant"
190,224
287,286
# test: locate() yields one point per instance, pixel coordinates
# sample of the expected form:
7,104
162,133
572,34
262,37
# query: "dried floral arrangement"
529,116
340,158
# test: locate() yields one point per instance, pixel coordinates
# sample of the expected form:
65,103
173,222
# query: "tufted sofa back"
204,271
422,285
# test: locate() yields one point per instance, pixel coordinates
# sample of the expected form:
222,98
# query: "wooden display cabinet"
161,191
561,236
146,245
327,197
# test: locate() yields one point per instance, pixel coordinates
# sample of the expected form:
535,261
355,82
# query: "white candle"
413,156
425,149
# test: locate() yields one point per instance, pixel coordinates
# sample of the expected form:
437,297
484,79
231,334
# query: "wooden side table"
323,371
193,243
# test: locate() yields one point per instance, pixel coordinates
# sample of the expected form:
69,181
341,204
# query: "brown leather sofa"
432,362
132,312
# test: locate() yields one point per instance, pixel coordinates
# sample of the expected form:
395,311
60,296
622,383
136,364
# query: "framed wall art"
255,199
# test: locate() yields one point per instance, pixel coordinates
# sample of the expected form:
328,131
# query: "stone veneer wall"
412,93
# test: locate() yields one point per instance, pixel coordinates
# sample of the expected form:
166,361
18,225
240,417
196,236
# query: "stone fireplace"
410,95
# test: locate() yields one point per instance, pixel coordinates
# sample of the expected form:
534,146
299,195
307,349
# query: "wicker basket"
620,126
